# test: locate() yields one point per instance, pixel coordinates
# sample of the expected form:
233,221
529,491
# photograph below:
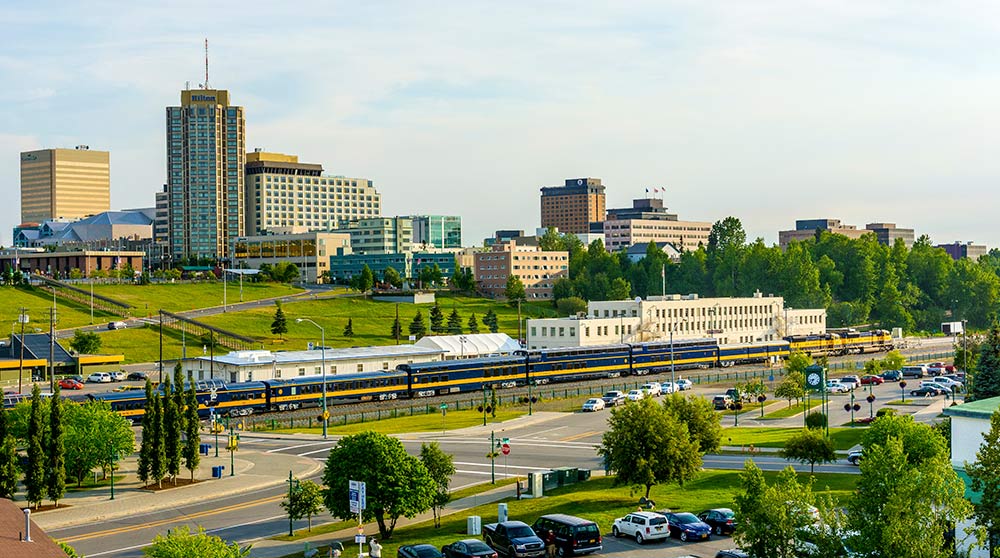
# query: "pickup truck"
513,539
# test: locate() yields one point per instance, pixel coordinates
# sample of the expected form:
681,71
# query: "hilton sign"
203,98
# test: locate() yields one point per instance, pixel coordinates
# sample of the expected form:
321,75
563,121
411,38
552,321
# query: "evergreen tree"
490,319
143,467
437,320
34,475
279,326
9,467
55,476
171,432
349,328
3,423
397,329
178,395
157,454
454,322
191,424
417,327
473,324
986,382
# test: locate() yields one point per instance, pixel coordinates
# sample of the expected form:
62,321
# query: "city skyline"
771,113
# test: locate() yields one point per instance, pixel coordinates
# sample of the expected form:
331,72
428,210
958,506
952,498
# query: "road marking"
535,434
314,451
509,466
578,436
497,473
298,446
186,517
144,545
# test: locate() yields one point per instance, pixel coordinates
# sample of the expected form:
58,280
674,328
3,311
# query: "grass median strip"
791,411
416,423
843,438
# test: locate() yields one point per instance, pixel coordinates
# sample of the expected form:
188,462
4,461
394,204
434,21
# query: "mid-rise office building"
437,231
380,235
887,233
407,264
958,250
161,219
537,270
649,221
572,207
282,192
805,229
64,183
206,152
310,251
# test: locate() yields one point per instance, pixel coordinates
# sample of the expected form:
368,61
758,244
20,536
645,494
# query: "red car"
876,380
70,383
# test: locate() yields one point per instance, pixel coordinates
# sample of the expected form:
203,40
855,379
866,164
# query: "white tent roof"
473,344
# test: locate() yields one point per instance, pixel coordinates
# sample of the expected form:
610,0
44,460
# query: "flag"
647,190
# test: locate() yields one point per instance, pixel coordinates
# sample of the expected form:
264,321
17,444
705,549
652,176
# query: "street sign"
356,496
360,539
505,445
443,406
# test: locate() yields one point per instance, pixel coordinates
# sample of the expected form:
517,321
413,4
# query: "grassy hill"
176,297
38,302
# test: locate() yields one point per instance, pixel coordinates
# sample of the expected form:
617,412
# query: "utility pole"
397,321
493,459
519,322
52,347
23,318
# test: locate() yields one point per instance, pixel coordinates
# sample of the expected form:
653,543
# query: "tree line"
170,430
858,281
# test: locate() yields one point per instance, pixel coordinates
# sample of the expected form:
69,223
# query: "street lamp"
462,339
902,389
736,407
322,333
871,405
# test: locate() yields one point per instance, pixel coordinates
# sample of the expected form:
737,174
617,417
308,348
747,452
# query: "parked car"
721,402
468,548
117,376
99,378
721,520
136,376
938,368
854,457
833,386
917,371
851,381
593,404
731,553
643,525
927,391
76,377
418,551
636,395
669,387
513,539
571,535
735,395
872,380
117,325
653,388
947,382
70,383
684,384
687,526
613,398
891,375
957,376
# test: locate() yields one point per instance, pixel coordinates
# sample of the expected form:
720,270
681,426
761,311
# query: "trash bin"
204,448
584,474
217,471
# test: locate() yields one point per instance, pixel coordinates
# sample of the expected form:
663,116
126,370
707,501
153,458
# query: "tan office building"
537,270
573,207
64,183
310,251
621,234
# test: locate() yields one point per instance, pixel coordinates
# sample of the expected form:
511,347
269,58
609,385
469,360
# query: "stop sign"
505,449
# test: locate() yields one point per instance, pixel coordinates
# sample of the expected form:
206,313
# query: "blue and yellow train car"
307,391
237,399
428,379
859,342
657,356
577,363
730,355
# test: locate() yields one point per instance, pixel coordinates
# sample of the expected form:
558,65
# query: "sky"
769,111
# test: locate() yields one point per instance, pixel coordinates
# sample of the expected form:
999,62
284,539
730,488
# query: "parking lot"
670,548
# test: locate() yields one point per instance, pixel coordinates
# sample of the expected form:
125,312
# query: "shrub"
816,420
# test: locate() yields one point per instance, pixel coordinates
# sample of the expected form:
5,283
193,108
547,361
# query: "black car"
468,548
731,553
137,376
892,375
927,391
418,551
571,535
720,520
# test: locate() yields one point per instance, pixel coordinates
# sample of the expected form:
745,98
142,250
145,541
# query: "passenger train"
537,367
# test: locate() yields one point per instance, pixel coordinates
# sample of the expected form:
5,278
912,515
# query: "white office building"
730,320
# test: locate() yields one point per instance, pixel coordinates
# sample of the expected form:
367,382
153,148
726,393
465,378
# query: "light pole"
462,339
322,333
114,458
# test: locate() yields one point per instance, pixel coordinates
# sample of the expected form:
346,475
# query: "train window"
293,390
487,373
444,378
361,368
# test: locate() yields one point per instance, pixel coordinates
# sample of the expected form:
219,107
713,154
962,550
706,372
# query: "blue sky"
769,111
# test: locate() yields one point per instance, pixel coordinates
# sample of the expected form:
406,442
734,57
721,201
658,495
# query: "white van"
99,378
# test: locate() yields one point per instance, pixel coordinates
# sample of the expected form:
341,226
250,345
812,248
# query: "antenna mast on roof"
206,63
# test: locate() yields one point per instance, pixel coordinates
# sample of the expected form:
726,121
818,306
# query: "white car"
948,383
99,378
636,395
594,404
117,376
851,381
653,388
684,384
669,387
833,386
117,325
644,526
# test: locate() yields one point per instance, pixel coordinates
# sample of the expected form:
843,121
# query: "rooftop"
248,358
12,532
982,409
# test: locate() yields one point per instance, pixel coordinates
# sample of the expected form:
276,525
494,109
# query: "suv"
852,381
117,376
653,388
643,525
721,402
99,378
571,535
117,325
917,371
613,398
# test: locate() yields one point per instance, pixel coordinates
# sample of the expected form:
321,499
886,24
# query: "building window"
361,368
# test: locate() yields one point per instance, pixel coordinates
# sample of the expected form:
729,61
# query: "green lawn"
843,438
143,344
176,297
416,423
752,409
791,411
37,303
599,501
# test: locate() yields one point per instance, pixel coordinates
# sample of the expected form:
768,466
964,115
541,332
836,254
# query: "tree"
179,542
55,474
397,484
70,551
620,289
9,467
417,327
279,326
366,280
985,475
349,328
920,441
816,420
157,448
798,362
440,467
34,473
571,306
901,509
491,321
306,500
893,360
85,342
397,329
473,324
645,444
392,277
771,517
986,381
464,280
171,431
4,427
437,320
809,446
191,426
454,322
144,466
94,435
793,386
514,290
703,423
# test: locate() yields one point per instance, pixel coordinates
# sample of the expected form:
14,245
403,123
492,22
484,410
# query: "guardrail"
223,337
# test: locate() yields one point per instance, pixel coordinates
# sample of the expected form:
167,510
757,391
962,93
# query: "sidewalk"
254,471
